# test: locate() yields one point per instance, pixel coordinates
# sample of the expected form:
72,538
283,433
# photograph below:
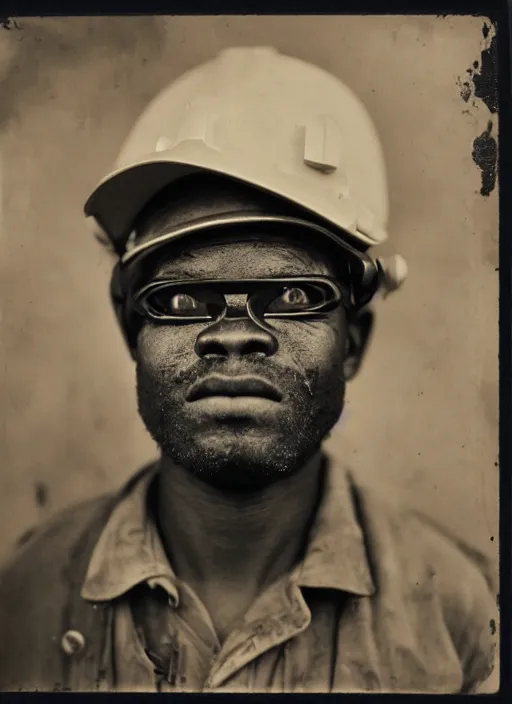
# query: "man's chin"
253,447
237,463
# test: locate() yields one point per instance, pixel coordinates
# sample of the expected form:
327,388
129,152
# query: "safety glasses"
205,300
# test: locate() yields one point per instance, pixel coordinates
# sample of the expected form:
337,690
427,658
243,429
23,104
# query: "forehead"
252,256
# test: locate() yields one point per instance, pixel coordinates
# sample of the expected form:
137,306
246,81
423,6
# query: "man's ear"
359,331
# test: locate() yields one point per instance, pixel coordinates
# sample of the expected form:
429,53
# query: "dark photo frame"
428,422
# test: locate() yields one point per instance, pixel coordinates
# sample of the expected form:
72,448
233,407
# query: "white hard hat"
269,120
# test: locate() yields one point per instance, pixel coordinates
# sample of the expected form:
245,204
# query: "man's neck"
235,541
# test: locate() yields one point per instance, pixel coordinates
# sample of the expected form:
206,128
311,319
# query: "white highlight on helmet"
162,144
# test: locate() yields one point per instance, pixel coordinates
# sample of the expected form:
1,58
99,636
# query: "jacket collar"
129,550
336,556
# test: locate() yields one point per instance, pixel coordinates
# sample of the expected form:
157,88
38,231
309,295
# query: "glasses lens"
302,298
168,301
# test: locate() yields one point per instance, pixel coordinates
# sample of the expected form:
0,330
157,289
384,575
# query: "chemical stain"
465,91
485,156
41,492
492,625
481,83
486,79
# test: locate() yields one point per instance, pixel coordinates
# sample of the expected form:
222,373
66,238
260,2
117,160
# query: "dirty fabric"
377,604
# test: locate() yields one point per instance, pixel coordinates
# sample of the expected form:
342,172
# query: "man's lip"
232,386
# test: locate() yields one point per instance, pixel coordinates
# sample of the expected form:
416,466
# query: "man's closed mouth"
233,387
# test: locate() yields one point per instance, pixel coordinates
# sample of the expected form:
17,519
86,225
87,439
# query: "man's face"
245,442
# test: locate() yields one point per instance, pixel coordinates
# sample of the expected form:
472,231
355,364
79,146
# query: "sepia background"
421,420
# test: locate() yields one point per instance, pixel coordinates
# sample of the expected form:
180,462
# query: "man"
241,211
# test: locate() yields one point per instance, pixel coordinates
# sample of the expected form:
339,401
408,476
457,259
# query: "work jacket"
432,615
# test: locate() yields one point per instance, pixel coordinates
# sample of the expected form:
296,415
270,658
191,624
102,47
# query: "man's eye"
179,304
306,298
183,303
295,297
291,299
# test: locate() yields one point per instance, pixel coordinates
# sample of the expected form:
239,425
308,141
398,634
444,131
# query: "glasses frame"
251,287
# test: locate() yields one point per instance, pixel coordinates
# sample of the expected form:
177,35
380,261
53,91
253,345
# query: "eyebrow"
183,263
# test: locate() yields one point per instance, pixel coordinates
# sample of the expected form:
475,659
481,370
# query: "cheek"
314,346
166,348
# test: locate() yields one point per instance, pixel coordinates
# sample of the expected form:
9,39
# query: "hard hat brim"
120,197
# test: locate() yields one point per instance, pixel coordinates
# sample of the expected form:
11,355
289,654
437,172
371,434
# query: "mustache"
277,373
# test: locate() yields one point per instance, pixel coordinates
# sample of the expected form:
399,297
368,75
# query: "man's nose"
235,339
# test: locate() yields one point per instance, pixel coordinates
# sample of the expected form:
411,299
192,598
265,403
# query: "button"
73,642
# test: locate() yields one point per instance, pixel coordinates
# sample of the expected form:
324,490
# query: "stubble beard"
242,456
